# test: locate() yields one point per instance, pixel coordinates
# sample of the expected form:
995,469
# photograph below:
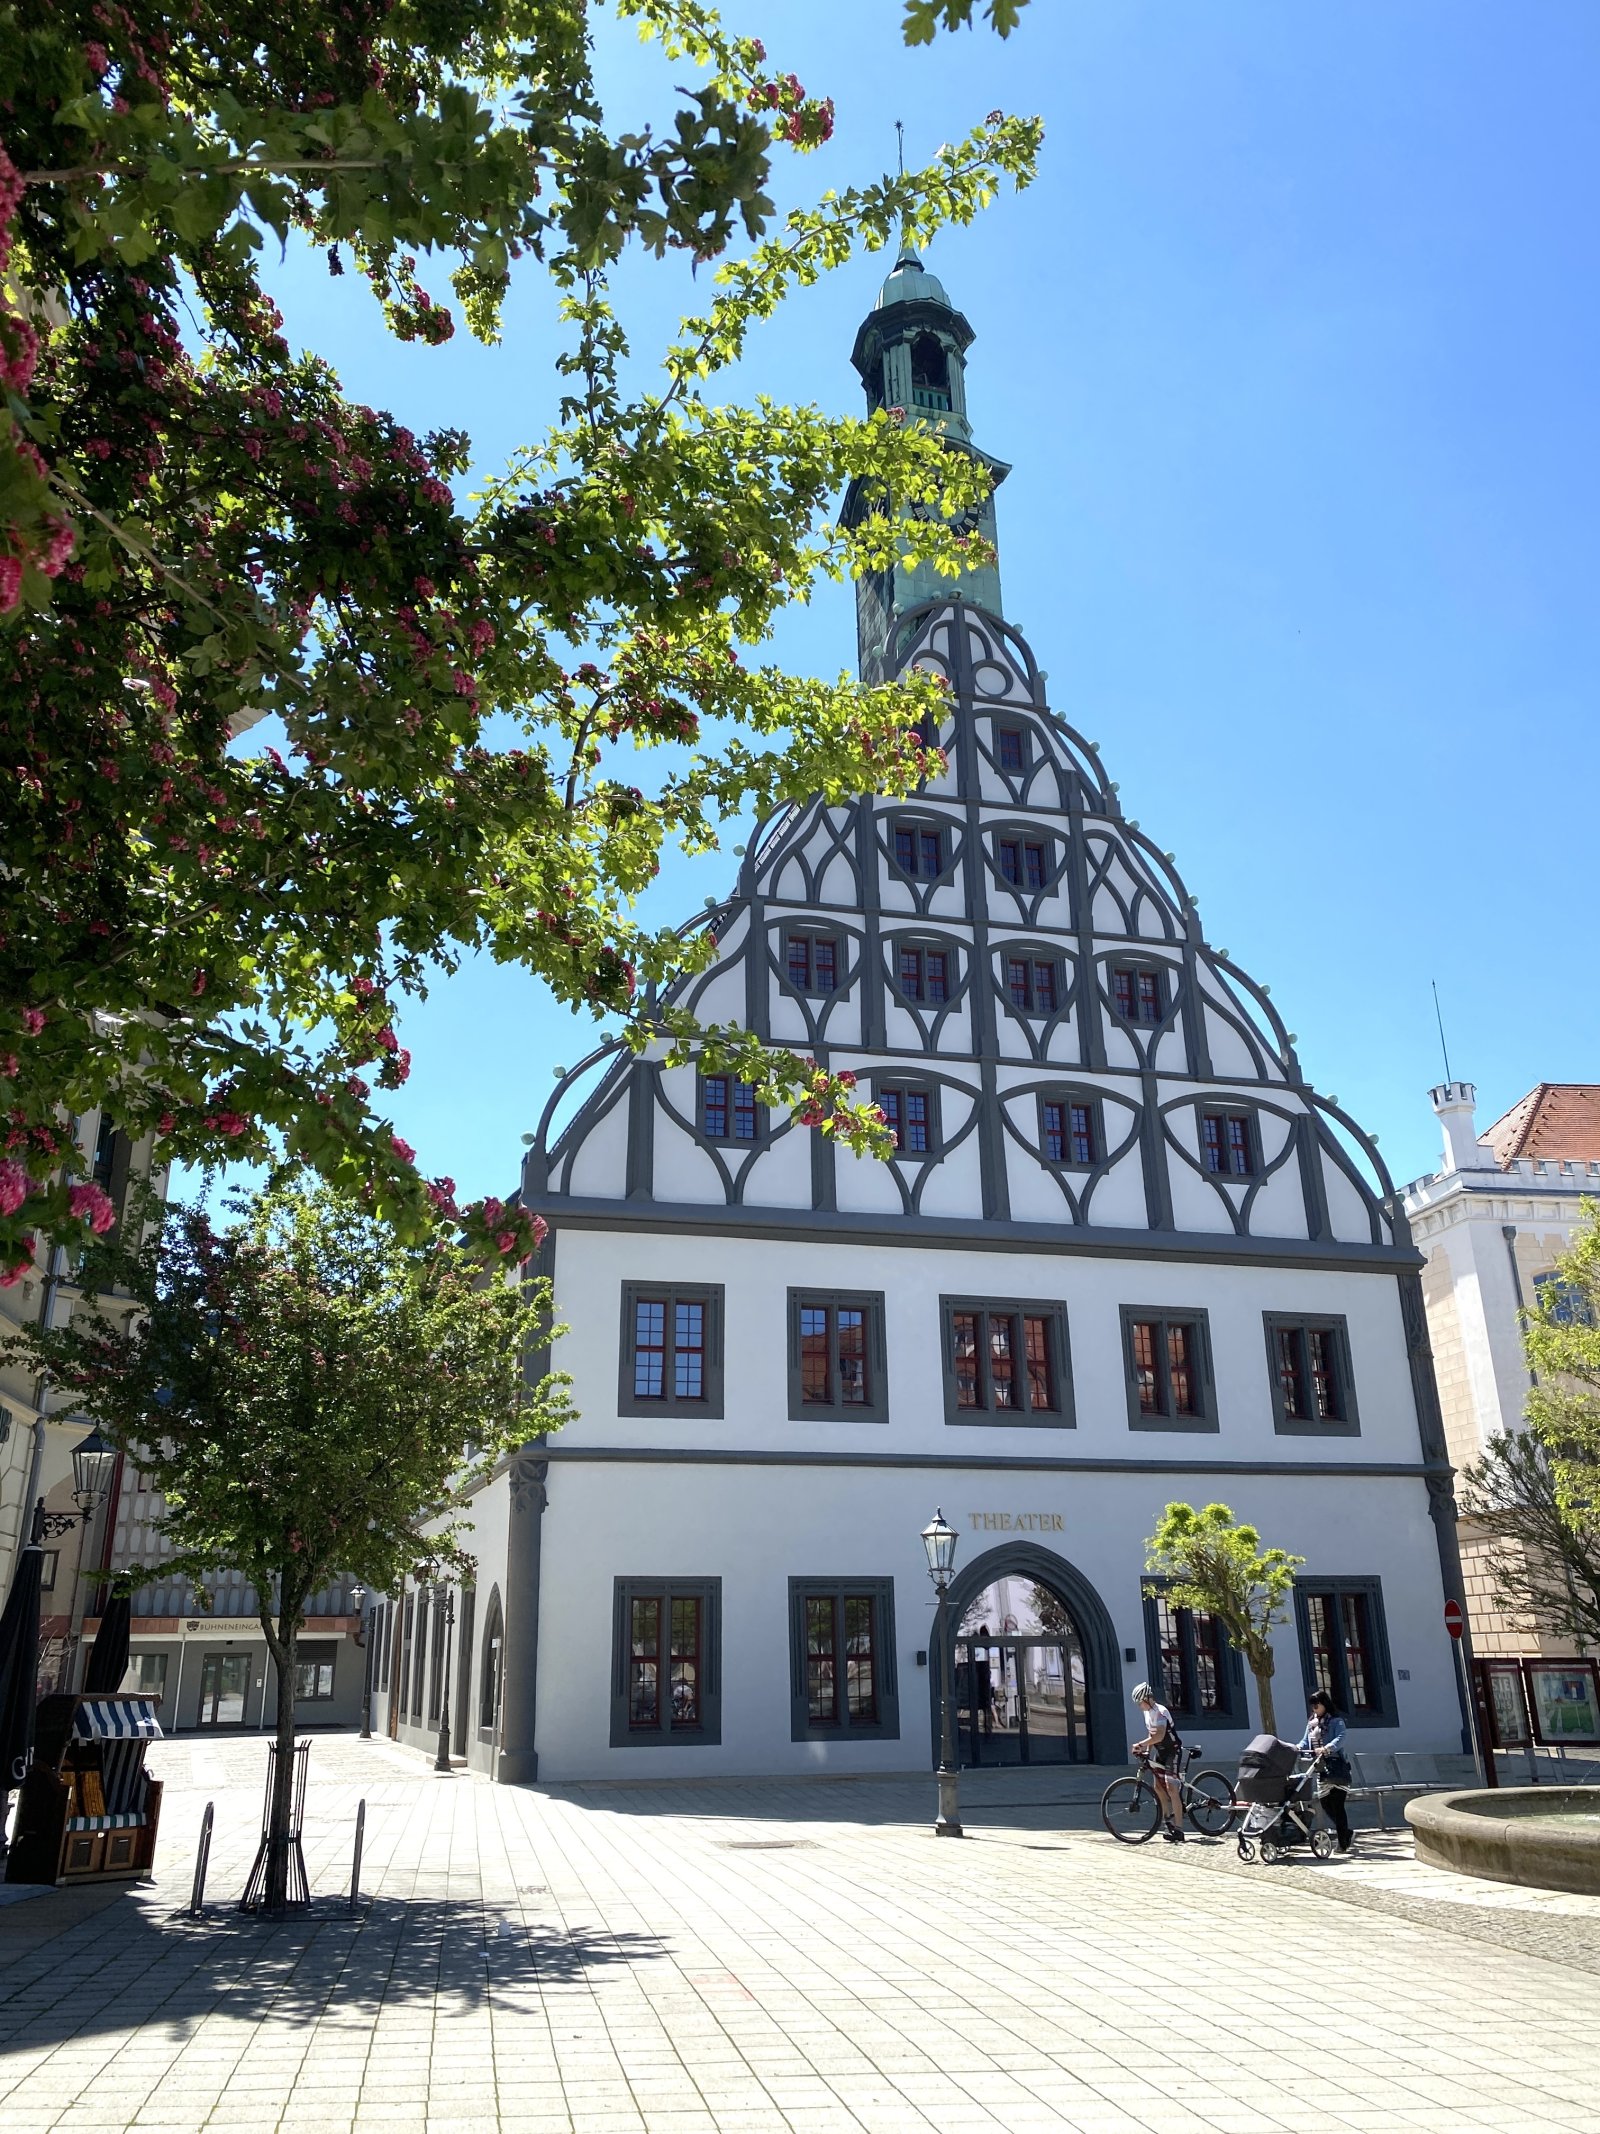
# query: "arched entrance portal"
1034,1673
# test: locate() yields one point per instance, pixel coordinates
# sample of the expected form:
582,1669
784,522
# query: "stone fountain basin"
1544,1837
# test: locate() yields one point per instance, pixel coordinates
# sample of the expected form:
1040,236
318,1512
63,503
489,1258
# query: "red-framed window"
1165,1360
813,963
1069,1134
1137,995
919,850
925,974
1225,1144
909,1116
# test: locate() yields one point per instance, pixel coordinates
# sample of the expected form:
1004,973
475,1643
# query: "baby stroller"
1281,1803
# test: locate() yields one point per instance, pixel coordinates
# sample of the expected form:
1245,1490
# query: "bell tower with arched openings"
911,354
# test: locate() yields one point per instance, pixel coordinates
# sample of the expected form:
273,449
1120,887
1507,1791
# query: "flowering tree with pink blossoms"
212,933
302,1388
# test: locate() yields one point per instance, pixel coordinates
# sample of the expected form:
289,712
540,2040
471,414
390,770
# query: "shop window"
671,1350
313,1673
1168,1362
836,1357
146,1675
842,1663
1313,1392
1344,1647
666,1662
1006,1361
1138,996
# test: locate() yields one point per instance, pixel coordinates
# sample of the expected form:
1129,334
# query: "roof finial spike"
1439,1018
908,251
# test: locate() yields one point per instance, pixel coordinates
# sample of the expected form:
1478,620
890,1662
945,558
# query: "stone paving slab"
780,1957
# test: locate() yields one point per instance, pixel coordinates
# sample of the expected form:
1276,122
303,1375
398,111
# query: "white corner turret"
1456,1104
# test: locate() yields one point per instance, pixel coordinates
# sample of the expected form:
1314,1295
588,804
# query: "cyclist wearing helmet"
1160,1752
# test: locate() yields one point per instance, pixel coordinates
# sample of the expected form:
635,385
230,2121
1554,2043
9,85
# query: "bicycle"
1131,1808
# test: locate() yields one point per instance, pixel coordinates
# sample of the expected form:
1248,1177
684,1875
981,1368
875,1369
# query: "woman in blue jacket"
1324,1739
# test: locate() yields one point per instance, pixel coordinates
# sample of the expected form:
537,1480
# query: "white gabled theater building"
1124,1254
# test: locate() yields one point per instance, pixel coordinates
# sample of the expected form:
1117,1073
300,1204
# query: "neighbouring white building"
1492,1222
1125,1254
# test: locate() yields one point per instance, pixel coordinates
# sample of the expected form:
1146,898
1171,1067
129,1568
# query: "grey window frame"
871,1303
1233,1710
708,1591
710,1294
948,827
924,945
729,1139
812,935
1008,952
1225,1112
1141,966
1051,1309
1346,1425
913,1084
886,1727
1023,835
1205,1423
1387,1712
1021,729
1085,1100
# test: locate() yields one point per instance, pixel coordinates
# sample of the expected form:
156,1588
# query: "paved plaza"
728,1958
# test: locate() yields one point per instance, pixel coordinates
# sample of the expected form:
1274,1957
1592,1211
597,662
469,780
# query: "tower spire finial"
908,250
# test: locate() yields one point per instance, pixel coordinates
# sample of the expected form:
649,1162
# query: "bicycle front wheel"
1211,1805
1130,1811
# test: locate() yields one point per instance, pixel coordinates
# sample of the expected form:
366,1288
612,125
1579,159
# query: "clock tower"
911,353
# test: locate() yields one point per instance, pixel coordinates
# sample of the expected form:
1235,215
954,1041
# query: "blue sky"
1293,348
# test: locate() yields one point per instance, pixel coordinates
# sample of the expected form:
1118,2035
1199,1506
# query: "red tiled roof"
1557,1121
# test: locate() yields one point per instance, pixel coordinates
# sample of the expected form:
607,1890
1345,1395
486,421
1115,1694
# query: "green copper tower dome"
911,356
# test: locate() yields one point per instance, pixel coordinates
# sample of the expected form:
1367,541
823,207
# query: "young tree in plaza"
198,531
1537,1490
1209,1560
303,1389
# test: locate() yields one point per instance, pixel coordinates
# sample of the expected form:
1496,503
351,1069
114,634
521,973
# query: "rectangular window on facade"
1024,863
1137,996
911,1117
919,850
1010,748
666,1661
1313,1390
1344,1647
925,974
146,1675
837,1356
671,1350
1006,1361
313,1674
842,1659
1168,1362
1225,1144
1031,984
1191,1660
728,1109
1565,1303
813,963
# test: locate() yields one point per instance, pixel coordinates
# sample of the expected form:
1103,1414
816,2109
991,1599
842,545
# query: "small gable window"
1010,748
1137,995
911,1117
813,963
919,850
1024,862
1031,985
1069,1130
925,974
1226,1148
728,1110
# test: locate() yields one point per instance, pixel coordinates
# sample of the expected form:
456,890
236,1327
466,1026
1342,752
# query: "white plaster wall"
754,1528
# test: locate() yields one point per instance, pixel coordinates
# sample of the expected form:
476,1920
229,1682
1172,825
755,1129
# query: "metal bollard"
202,1860
355,1865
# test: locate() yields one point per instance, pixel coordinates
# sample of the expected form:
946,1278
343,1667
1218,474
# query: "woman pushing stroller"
1323,1741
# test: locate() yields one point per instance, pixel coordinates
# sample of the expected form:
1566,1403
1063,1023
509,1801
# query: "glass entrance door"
224,1679
1020,1700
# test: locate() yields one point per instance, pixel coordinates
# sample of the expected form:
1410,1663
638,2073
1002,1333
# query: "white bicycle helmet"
1144,1694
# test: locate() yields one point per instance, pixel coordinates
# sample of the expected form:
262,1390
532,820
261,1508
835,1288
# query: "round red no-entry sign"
1454,1622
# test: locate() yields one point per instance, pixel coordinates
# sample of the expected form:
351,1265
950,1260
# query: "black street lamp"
94,1466
939,1540
441,1762
366,1608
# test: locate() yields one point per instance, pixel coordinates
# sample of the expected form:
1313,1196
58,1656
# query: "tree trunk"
282,1642
1269,1722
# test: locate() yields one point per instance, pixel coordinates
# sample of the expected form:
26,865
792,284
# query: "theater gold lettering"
1016,1522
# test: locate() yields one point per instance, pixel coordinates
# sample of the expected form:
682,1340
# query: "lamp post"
366,1608
441,1762
939,1539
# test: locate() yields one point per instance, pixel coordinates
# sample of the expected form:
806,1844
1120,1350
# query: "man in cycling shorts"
1160,1751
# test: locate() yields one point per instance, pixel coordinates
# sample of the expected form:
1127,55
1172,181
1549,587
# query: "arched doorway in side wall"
1034,1668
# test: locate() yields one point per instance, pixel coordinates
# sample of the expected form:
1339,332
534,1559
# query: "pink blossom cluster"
15,1186
93,1205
